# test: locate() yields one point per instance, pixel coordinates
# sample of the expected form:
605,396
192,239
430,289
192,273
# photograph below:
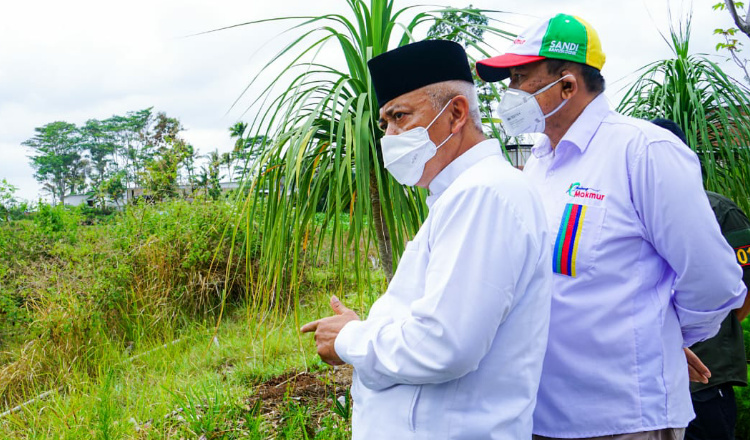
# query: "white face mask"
520,113
405,154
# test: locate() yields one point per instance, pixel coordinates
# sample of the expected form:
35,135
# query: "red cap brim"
497,68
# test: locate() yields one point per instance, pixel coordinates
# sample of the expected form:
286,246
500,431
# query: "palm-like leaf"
712,108
325,147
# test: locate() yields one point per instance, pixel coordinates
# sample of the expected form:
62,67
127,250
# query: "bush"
79,281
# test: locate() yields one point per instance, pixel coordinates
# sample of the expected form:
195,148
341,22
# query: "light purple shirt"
642,271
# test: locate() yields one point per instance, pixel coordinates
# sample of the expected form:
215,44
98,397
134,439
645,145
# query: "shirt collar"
460,164
582,130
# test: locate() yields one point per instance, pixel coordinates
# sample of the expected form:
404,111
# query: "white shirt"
454,347
641,270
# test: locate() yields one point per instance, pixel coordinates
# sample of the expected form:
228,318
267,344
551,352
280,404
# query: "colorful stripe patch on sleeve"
568,237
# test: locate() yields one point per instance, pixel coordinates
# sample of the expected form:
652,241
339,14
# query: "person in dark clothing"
724,354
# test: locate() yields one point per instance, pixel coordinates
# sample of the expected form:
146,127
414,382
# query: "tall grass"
117,316
189,389
73,293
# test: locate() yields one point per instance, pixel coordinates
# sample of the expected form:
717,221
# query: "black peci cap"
416,65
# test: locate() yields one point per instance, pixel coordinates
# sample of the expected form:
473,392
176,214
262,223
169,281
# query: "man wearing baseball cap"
454,348
623,199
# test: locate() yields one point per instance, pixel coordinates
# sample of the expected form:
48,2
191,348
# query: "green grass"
118,317
187,389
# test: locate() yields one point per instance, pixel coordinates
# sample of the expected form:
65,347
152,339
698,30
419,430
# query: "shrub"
79,282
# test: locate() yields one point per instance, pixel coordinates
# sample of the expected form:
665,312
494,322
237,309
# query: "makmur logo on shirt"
564,47
578,191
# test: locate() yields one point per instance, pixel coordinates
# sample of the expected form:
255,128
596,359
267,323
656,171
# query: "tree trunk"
381,229
60,186
743,25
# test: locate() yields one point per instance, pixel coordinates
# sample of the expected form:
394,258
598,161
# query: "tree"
213,176
188,163
58,161
247,152
227,160
741,20
466,27
712,108
131,135
112,187
98,138
731,43
238,131
325,144
7,200
162,170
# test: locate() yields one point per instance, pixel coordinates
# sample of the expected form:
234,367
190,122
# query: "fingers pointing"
309,327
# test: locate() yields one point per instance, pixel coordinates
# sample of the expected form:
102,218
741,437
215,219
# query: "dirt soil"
313,390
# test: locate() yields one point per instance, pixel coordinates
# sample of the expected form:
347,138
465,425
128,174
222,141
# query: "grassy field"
146,324
239,383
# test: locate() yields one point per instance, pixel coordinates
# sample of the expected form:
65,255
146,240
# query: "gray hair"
440,93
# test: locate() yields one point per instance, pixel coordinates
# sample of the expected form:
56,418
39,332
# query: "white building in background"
80,199
89,199
186,191
518,154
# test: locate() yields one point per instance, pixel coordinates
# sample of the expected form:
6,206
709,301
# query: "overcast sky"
82,59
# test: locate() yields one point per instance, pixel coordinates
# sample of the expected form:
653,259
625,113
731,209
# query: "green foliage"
203,408
141,148
7,201
161,173
295,422
210,177
466,26
240,160
742,395
343,407
134,149
106,408
112,187
163,391
731,43
712,109
58,160
97,137
57,222
77,282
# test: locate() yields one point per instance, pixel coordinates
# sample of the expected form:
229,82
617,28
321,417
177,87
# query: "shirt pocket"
578,236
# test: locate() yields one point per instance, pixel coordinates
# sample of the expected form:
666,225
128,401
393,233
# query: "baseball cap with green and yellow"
563,37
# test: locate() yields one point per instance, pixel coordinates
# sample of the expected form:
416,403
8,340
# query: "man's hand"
697,370
327,329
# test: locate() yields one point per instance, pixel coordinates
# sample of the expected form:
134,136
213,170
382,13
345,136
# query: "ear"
459,112
570,85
